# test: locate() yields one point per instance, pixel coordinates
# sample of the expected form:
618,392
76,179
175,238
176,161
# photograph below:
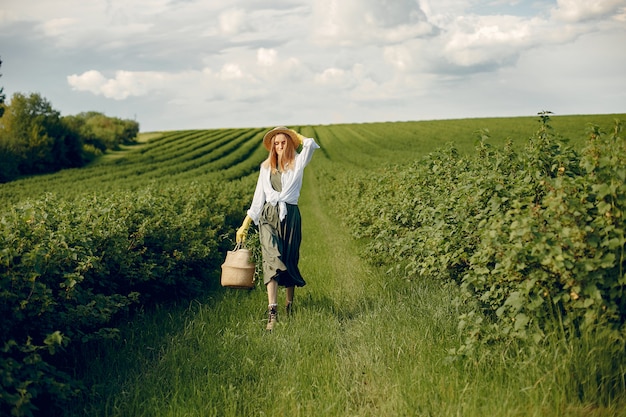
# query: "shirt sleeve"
258,200
308,147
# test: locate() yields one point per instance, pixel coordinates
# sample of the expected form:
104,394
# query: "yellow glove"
242,232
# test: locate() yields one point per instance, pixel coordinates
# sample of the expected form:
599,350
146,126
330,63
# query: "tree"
104,132
35,139
8,165
2,96
34,134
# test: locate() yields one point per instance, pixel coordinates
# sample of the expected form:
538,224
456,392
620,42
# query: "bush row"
535,239
68,269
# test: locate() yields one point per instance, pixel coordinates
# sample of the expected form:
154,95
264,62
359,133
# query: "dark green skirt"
280,245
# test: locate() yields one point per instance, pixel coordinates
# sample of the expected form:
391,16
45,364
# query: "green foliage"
103,132
169,158
2,97
113,238
8,163
149,223
360,343
554,259
535,239
35,139
68,269
30,131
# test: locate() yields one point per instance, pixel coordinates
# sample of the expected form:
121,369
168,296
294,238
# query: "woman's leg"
272,289
289,299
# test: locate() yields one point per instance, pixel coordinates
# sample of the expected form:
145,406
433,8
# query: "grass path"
352,347
358,344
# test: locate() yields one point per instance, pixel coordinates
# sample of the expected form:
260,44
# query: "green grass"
361,341
358,344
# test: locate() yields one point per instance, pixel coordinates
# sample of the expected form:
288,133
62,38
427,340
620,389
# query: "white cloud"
232,21
266,57
125,83
91,81
585,10
333,77
231,80
467,44
231,72
472,42
399,56
358,22
274,70
478,40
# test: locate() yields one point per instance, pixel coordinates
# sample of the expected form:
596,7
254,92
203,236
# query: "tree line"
36,139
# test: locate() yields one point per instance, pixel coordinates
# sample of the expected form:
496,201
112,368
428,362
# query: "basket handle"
238,246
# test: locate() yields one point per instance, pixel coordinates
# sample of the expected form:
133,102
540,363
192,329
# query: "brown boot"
272,319
288,308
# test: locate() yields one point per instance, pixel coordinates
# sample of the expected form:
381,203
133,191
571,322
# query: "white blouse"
291,180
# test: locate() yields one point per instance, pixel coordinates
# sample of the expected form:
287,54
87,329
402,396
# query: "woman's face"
280,143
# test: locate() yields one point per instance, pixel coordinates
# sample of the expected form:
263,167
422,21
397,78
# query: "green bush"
68,269
535,239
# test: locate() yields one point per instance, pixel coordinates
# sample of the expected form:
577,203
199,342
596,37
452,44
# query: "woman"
275,211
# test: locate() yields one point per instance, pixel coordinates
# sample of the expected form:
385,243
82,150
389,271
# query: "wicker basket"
237,270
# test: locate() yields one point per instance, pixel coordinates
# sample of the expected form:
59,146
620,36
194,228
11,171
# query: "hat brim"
267,139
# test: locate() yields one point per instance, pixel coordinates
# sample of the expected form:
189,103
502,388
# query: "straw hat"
267,139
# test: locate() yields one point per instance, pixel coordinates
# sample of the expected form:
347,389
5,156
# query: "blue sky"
186,64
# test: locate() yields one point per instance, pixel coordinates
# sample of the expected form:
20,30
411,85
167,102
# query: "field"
439,283
169,157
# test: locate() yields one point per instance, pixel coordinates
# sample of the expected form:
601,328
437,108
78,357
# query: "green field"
170,157
376,330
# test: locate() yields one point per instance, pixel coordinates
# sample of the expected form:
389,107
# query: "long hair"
289,156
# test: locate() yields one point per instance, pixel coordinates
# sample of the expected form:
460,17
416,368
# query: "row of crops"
533,233
167,158
83,247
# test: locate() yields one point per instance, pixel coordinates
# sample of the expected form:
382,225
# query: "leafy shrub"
68,269
555,258
535,239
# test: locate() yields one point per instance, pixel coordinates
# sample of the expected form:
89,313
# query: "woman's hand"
242,232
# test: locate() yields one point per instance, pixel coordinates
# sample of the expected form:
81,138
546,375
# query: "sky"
202,64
